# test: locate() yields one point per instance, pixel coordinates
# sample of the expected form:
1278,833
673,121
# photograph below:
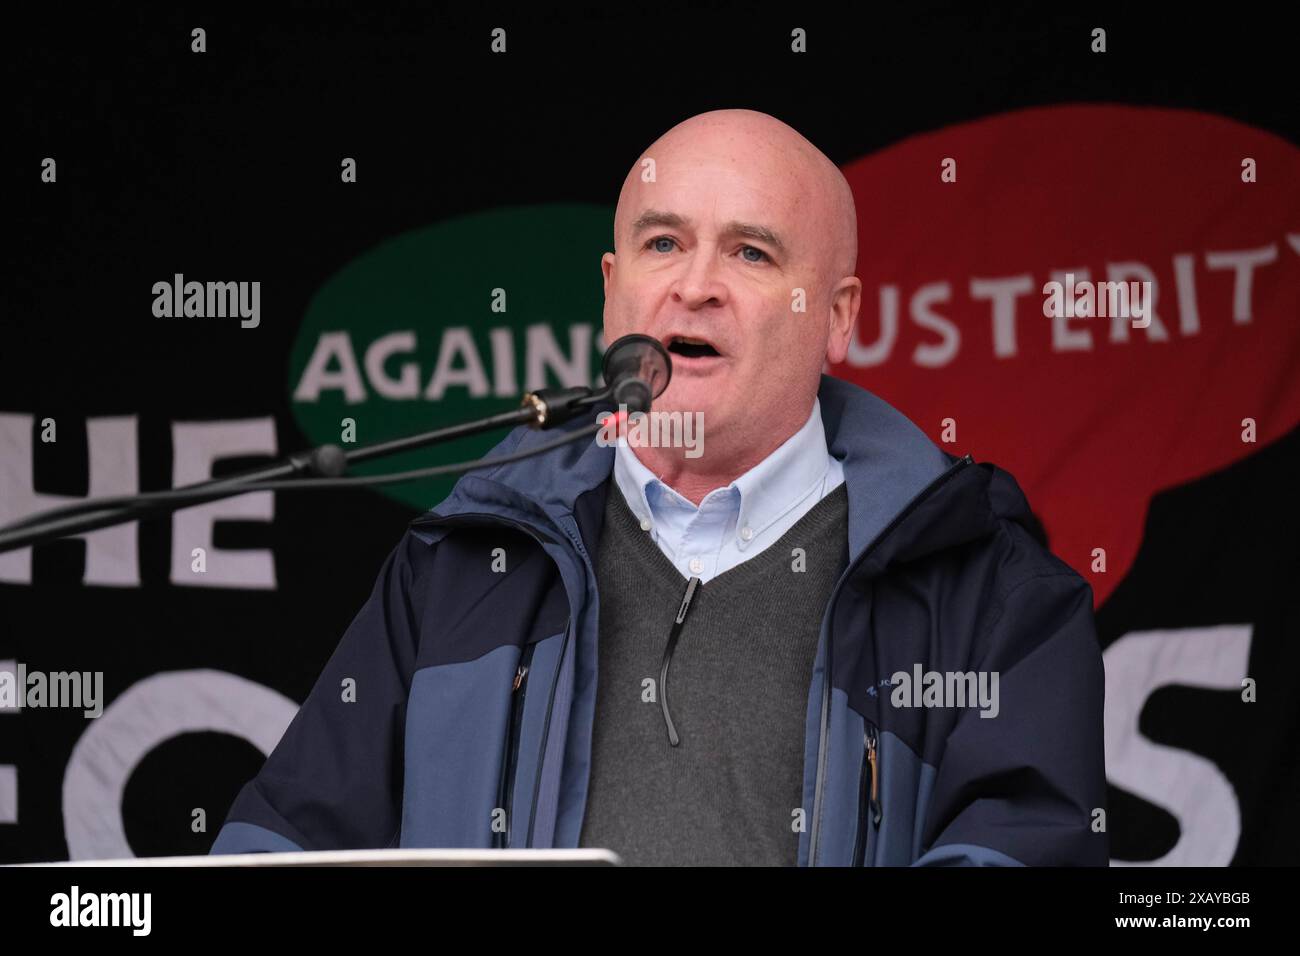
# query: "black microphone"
636,369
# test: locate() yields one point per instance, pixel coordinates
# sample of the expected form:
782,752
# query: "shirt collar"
766,492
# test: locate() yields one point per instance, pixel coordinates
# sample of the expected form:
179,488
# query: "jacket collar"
888,462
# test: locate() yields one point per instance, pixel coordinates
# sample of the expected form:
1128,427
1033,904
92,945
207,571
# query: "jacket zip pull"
682,611
875,775
519,677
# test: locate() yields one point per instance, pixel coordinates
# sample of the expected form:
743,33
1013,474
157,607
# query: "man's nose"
701,278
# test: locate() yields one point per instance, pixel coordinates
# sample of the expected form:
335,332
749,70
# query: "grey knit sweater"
737,690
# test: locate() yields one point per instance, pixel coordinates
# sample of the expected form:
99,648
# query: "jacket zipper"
452,521
546,734
576,541
869,813
820,781
519,690
676,631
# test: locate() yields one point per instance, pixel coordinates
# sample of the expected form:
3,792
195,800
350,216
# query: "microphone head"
637,370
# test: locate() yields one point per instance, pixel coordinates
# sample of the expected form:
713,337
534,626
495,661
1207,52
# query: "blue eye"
653,243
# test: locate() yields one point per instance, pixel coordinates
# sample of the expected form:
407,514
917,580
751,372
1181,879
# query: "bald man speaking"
816,639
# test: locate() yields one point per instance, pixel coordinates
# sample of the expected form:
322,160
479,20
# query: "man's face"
709,258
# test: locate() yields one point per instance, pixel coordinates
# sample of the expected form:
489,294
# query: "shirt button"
696,565
746,533
645,524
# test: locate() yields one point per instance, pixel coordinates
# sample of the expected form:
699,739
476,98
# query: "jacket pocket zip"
869,812
506,788
819,773
518,690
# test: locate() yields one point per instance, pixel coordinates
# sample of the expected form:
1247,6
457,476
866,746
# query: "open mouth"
691,348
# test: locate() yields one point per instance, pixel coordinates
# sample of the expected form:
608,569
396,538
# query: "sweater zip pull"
682,611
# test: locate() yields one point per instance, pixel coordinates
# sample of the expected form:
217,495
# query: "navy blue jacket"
943,572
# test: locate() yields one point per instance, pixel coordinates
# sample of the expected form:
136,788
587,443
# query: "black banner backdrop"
369,180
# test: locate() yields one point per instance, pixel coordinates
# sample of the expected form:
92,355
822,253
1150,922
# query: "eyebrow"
653,218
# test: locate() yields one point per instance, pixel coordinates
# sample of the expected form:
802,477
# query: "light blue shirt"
733,523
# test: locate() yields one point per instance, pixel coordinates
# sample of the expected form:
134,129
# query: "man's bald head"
823,195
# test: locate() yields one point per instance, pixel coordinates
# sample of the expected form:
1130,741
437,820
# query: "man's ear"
845,301
606,268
